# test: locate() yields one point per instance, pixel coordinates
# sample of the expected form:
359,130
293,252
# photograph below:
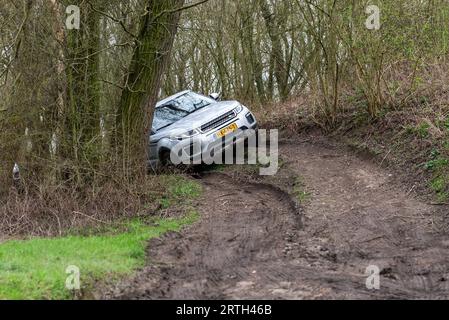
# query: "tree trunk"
280,72
83,85
151,54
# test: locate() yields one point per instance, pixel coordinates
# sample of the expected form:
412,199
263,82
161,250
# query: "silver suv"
188,116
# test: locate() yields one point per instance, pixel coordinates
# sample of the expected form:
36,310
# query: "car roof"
164,101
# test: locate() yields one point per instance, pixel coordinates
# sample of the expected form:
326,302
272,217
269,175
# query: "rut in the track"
250,242
241,235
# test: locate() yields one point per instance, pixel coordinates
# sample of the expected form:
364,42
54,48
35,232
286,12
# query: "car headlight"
238,109
186,135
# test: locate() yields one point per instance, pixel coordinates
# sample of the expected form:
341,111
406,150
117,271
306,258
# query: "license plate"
229,129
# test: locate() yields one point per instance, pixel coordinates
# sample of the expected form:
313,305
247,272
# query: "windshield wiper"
172,107
201,106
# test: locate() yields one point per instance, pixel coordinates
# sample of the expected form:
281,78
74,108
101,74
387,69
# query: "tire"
164,158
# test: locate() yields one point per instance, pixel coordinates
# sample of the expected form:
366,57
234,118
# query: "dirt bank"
252,242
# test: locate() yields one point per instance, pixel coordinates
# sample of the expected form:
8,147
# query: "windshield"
178,108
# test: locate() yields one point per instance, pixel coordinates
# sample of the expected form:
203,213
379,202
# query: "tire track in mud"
253,243
228,254
362,217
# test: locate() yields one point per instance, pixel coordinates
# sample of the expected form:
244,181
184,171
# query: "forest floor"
310,232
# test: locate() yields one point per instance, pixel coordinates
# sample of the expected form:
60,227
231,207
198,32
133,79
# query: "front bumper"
207,145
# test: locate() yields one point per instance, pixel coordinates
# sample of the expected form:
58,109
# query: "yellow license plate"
231,128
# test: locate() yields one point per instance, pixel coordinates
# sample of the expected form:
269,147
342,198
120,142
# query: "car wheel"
165,158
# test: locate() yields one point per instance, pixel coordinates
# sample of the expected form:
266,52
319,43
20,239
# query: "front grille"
218,121
250,118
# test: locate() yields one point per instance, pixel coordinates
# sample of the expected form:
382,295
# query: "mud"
252,242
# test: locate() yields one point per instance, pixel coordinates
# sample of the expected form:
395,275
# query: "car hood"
197,119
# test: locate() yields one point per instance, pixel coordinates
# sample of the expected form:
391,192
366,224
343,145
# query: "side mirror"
215,96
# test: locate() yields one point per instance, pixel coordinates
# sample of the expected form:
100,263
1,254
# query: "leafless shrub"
48,209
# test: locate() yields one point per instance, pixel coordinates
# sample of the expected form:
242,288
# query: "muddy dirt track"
252,242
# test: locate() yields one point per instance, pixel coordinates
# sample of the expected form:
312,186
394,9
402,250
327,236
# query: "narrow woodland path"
252,242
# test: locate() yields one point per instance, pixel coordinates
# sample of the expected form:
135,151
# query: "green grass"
179,189
438,165
299,191
421,130
35,269
439,186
